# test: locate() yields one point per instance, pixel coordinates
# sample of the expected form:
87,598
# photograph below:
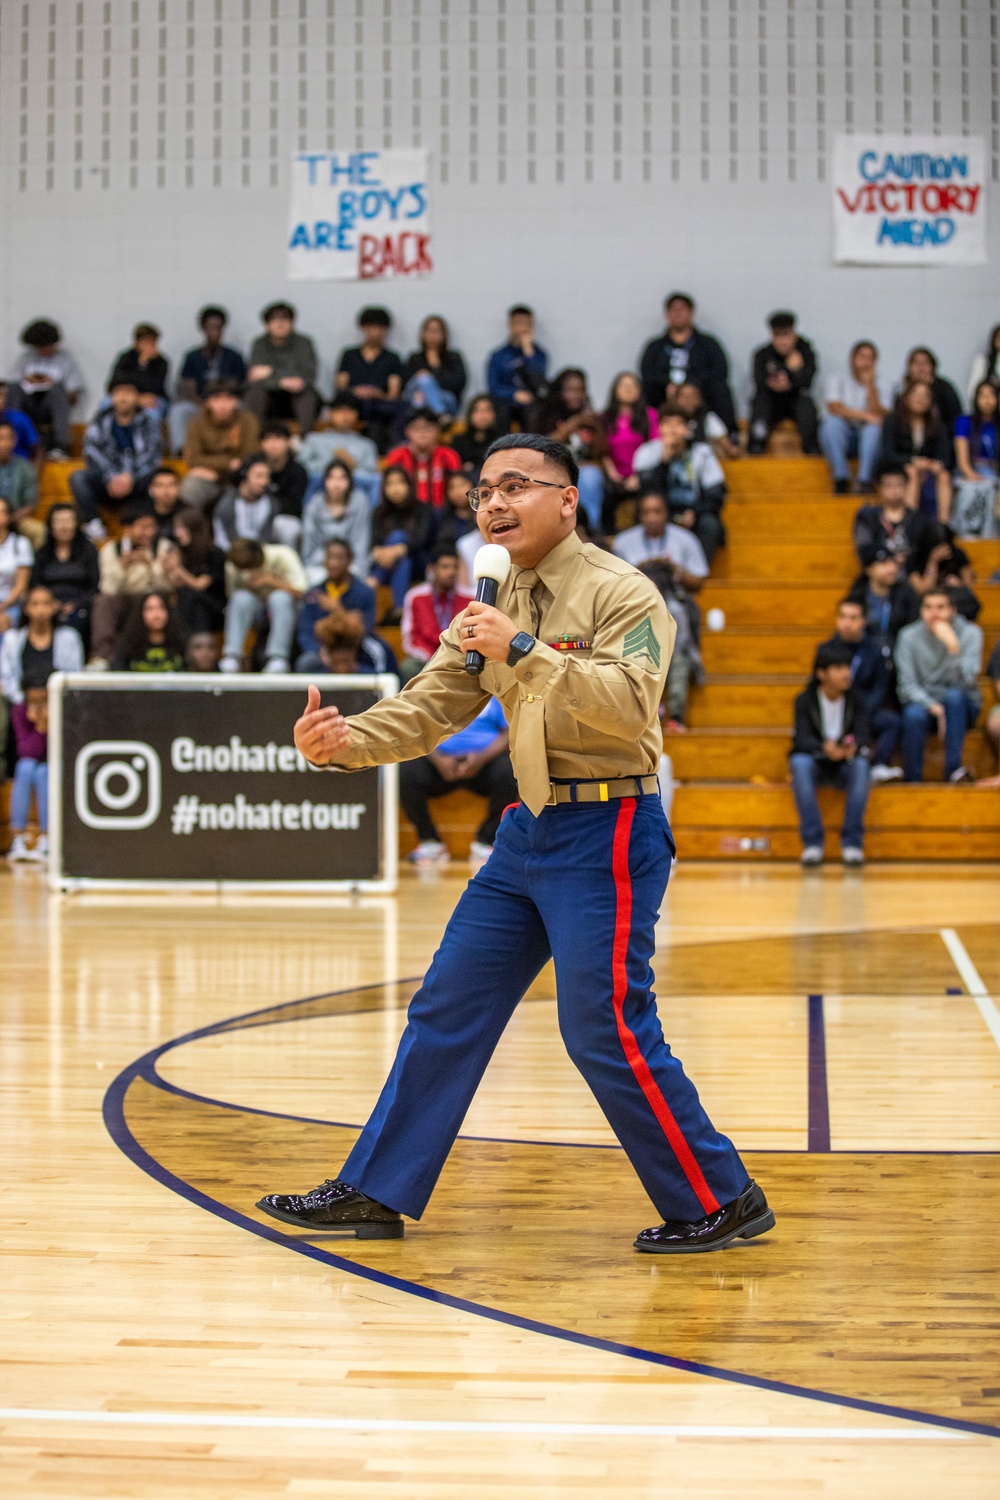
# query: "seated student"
429,609
478,758
342,645
339,511
201,652
689,475
977,449
45,384
922,365
372,374
151,641
894,523
515,374
685,659
656,536
458,518
682,355
213,363
32,651
857,403
130,568
164,496
948,567
914,435
196,572
985,366
888,599
221,436
783,371
30,723
27,444
482,427
282,374
703,426
434,375
342,588
144,367
264,584
938,660
402,533
830,748
566,415
873,678
628,423
121,451
289,480
991,728
423,457
247,509
16,558
342,440
18,477
67,565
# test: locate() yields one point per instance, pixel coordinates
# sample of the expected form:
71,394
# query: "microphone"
490,569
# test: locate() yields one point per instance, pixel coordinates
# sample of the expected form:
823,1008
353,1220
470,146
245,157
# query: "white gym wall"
586,156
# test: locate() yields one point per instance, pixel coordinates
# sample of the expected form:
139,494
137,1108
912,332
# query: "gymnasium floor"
162,1339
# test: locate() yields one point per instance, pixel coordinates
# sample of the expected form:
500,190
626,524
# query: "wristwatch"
520,647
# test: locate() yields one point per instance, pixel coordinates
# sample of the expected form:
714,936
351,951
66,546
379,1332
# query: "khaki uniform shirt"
585,713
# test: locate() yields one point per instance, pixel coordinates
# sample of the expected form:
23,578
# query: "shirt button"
527,676
574,703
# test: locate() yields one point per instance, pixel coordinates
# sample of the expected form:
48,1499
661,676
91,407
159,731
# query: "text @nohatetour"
234,755
190,813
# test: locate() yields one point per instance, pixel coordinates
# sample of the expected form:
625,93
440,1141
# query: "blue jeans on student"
961,710
840,440
886,726
29,776
423,390
245,609
847,775
399,575
591,487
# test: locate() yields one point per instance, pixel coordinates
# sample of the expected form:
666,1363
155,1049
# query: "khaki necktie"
532,765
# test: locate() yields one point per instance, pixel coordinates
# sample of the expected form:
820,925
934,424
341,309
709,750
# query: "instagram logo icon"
117,784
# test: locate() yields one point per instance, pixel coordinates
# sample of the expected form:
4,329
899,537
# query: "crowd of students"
293,508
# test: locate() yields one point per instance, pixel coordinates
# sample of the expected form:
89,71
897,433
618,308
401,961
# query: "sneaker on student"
18,849
57,455
852,855
479,853
812,855
98,664
276,664
430,852
229,664
886,773
40,853
963,774
95,531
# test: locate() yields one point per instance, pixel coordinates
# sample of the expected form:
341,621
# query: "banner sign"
359,216
909,200
194,780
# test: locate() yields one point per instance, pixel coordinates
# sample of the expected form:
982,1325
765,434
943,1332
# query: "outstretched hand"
320,732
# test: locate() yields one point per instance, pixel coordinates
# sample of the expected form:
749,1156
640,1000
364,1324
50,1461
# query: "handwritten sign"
909,200
359,216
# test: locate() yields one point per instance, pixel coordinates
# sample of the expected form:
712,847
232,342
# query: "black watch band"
520,647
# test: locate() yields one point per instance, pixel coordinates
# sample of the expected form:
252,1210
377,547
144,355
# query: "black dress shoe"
332,1206
746,1216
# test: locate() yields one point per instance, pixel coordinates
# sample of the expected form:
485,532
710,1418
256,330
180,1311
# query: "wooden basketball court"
166,1060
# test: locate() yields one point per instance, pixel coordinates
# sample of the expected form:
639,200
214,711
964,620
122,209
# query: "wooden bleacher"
779,596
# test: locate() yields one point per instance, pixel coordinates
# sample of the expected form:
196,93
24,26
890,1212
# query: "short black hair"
121,380
832,654
276,429
889,468
145,331
374,317
40,334
136,511
854,603
278,309
679,297
556,453
520,310
444,549
222,388
164,469
780,322
6,422
345,398
873,552
340,541
211,311
420,414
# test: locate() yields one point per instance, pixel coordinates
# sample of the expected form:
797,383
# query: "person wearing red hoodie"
427,460
429,608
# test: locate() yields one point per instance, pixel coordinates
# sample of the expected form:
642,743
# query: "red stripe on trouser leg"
636,1061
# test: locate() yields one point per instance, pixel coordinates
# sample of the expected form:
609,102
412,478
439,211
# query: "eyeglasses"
513,490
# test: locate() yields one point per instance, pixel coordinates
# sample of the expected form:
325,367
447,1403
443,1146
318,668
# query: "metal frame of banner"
254,682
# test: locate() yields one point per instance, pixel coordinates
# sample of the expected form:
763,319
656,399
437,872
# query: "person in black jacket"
144,367
831,748
783,371
914,435
873,675
66,564
889,601
684,355
894,522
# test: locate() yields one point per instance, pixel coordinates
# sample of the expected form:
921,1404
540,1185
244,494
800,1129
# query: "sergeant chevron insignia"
642,642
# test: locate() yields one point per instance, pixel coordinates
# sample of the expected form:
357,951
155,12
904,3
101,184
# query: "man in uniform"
576,651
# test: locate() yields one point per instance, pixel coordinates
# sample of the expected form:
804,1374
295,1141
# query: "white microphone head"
491,561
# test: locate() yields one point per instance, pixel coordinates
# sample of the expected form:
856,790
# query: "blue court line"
144,1068
819,1094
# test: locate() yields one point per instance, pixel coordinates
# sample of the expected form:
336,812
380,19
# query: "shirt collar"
556,564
